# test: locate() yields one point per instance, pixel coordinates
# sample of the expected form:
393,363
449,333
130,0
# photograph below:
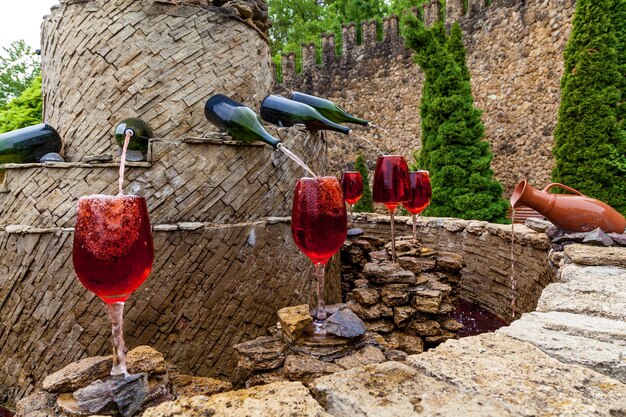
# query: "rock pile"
84,388
561,238
406,305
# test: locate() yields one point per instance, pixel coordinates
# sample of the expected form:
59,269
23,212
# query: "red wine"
420,192
392,184
352,184
318,218
113,250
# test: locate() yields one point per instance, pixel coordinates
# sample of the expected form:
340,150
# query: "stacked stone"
405,305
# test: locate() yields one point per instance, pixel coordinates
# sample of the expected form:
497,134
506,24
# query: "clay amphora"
574,213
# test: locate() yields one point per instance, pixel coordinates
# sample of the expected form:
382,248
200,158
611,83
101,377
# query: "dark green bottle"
285,113
327,108
239,121
27,145
140,137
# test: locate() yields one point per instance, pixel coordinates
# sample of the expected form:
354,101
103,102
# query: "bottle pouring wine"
140,134
239,121
28,144
283,112
327,108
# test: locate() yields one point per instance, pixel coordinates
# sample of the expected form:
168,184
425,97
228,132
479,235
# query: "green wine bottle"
327,108
239,121
141,134
27,145
285,113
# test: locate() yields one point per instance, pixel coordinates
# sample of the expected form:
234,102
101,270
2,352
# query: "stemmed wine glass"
420,196
319,228
392,186
352,184
113,255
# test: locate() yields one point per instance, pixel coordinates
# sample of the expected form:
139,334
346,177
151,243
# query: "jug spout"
527,195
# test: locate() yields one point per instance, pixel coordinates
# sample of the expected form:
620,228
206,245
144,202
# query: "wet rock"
145,359
280,399
538,225
190,386
405,247
395,355
354,232
596,255
294,320
307,368
449,261
446,308
51,157
619,238
330,309
435,284
366,296
263,353
68,406
406,342
379,326
126,394
388,273
425,328
395,295
379,255
344,323
417,265
370,313
402,315
598,237
451,325
440,338
365,356
427,301
553,232
78,374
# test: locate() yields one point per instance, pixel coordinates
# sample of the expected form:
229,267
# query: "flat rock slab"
525,379
594,342
280,399
392,389
78,374
596,255
593,294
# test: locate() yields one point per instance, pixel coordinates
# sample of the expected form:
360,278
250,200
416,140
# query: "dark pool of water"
5,413
476,319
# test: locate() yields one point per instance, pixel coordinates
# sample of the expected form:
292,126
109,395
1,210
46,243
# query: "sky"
21,19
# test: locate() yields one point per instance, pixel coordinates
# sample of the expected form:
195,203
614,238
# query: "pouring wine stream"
295,158
128,135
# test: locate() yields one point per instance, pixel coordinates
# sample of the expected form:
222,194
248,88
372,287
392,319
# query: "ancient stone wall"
104,61
515,50
486,249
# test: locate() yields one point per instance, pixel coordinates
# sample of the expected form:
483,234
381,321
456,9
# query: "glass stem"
415,227
393,235
116,313
321,308
352,215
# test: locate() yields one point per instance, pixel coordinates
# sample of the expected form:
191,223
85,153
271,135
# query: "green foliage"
618,15
23,111
18,68
366,202
453,148
590,146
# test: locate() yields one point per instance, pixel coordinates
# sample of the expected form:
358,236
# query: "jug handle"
565,187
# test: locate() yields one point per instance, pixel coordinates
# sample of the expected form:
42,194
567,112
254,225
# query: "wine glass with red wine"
352,184
392,186
319,228
420,196
113,254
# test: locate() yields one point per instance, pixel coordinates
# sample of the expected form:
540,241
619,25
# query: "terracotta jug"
574,213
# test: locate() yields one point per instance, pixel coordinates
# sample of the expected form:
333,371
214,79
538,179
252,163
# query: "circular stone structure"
104,61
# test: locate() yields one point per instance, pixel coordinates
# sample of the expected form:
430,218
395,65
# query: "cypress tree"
452,135
590,146
456,47
365,203
618,15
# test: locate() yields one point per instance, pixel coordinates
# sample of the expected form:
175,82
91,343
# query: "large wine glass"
319,228
113,255
392,186
352,184
420,196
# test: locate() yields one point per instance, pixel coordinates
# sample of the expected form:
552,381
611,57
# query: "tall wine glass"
319,227
352,184
392,186
420,196
113,255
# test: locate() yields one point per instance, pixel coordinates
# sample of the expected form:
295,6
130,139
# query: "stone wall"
104,61
486,249
515,53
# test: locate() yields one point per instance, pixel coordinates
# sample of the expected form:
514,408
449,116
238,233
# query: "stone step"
594,342
594,291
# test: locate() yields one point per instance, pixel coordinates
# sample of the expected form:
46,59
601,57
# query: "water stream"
294,158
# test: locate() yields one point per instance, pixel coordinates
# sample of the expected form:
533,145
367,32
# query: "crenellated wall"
515,50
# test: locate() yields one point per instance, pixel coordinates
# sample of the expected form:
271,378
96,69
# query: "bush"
366,202
23,111
590,146
453,148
